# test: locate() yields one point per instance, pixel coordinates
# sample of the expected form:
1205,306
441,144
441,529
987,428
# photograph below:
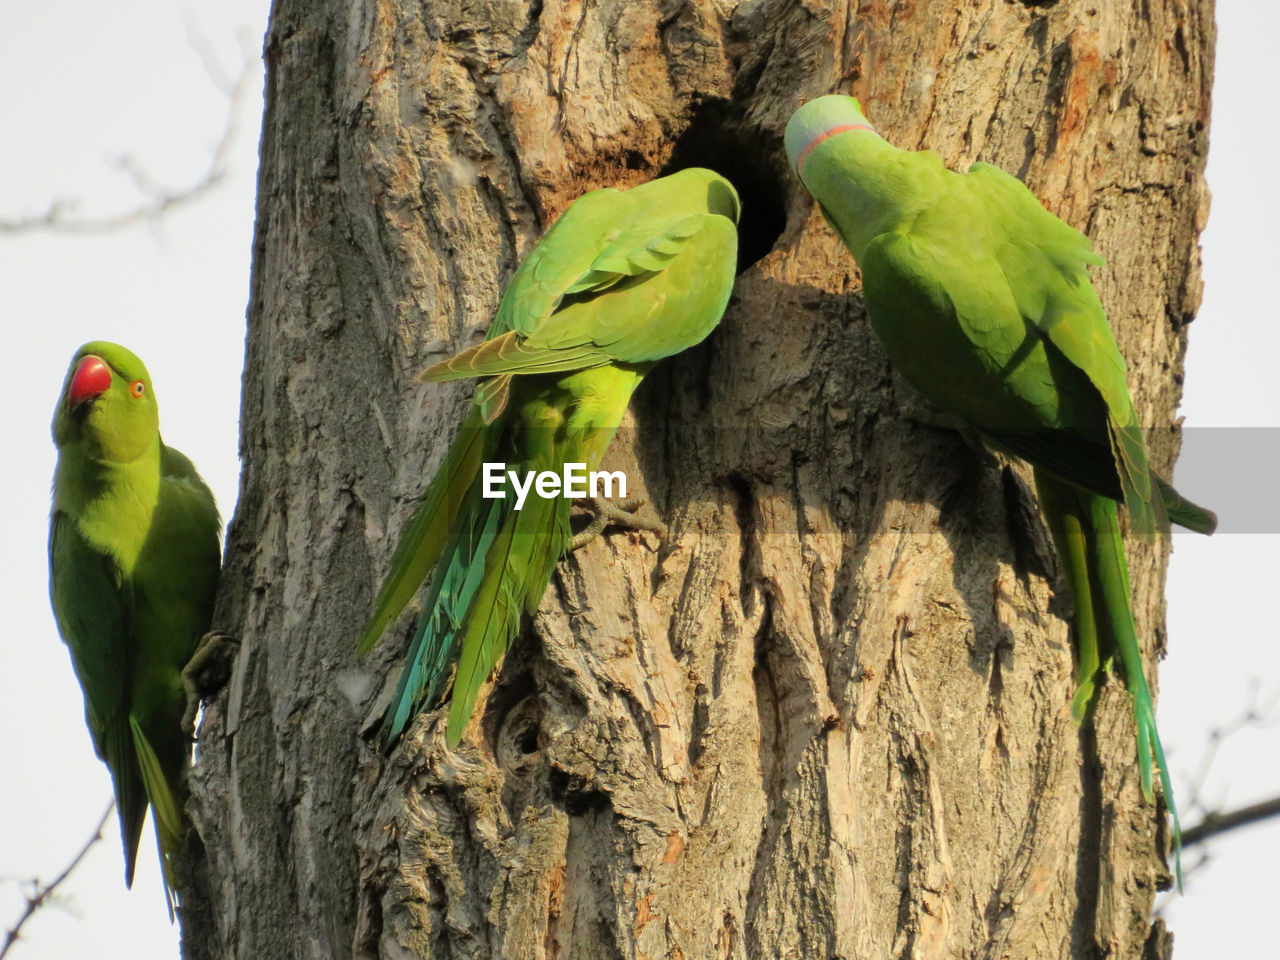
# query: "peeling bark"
828,714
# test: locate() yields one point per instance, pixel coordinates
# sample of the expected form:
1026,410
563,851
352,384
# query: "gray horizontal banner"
1234,472
1230,470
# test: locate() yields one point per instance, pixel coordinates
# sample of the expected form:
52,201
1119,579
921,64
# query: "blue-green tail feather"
453,586
496,563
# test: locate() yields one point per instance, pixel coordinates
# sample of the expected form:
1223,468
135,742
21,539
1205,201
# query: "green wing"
1045,263
587,328
561,258
94,613
174,583
1029,358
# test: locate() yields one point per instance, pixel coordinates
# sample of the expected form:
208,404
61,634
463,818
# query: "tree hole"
720,138
515,713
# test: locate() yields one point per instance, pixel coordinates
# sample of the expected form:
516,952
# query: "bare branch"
199,43
1216,823
40,893
158,199
1257,714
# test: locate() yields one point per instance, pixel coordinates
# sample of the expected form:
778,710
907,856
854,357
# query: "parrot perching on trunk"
982,299
133,566
620,281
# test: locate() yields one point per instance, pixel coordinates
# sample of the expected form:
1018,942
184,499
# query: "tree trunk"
827,715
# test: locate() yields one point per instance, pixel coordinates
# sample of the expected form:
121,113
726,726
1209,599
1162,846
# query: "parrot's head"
107,401
722,198
703,189
816,121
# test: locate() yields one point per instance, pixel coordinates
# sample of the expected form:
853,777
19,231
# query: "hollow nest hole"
720,137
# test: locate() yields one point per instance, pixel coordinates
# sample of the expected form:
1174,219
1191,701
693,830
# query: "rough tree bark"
827,716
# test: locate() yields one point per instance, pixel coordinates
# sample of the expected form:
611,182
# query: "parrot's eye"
138,388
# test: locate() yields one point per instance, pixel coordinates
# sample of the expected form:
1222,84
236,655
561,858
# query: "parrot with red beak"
133,567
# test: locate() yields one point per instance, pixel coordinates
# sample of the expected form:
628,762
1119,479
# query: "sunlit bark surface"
827,714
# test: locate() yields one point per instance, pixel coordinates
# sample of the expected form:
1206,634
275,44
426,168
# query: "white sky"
89,82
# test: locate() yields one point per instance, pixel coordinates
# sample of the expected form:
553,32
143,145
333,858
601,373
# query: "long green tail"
519,562
516,571
431,528
1087,533
131,799
164,794
140,780
447,538
454,583
487,562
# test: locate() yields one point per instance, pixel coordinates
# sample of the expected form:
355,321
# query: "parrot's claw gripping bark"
623,513
917,410
207,672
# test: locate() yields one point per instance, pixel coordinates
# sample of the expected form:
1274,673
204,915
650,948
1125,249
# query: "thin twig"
1256,714
1216,823
159,198
40,893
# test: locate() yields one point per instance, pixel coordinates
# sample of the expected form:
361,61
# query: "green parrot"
982,299
621,280
133,566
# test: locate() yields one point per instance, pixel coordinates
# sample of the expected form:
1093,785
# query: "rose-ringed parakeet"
982,299
133,566
621,280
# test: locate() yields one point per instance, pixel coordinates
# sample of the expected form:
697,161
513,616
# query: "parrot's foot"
918,410
206,673
622,513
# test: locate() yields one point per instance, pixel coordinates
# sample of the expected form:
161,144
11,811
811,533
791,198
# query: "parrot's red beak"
91,379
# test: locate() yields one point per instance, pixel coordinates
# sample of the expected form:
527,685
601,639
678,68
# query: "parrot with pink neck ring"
982,299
